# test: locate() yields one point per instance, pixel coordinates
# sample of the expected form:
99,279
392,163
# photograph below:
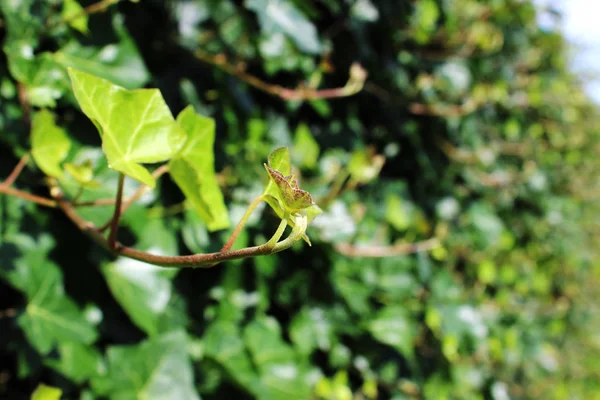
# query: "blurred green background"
457,257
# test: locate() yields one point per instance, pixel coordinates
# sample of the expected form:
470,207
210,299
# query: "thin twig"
236,232
16,171
444,110
399,249
114,224
196,260
354,85
160,171
43,201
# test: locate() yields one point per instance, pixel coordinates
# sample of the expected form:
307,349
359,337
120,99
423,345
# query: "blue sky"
581,26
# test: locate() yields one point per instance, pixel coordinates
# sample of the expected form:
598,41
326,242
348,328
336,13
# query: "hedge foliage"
454,155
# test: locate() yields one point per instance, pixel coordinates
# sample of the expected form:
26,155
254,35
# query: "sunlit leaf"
306,148
45,392
136,126
49,143
193,169
74,14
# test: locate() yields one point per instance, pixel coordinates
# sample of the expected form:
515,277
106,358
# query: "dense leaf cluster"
454,156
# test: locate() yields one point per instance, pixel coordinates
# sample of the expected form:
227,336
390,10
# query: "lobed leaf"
135,126
193,170
158,368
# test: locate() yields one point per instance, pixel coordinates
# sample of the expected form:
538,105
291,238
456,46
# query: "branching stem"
114,224
354,85
196,260
238,228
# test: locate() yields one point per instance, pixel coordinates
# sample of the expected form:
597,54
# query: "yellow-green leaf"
45,392
136,126
75,16
194,172
49,143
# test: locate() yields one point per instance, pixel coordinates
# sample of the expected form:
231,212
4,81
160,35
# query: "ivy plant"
137,128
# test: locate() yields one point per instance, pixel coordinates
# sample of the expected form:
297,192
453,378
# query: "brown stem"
238,228
114,224
43,201
354,85
16,171
160,171
196,260
437,110
399,249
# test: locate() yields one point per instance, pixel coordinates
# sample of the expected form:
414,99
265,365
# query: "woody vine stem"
111,244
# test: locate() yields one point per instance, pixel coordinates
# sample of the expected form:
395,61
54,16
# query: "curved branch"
354,85
160,171
399,249
196,260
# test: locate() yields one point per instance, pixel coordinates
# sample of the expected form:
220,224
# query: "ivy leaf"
78,362
83,173
292,197
45,392
279,161
49,143
158,368
144,290
224,344
394,326
281,16
135,126
73,13
50,317
281,373
193,169
305,147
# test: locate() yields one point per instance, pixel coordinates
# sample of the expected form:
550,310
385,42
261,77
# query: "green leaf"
143,290
310,329
83,173
364,166
136,126
281,373
292,198
49,143
279,161
424,20
306,148
281,16
223,343
394,326
50,317
45,392
155,369
73,13
78,362
193,170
